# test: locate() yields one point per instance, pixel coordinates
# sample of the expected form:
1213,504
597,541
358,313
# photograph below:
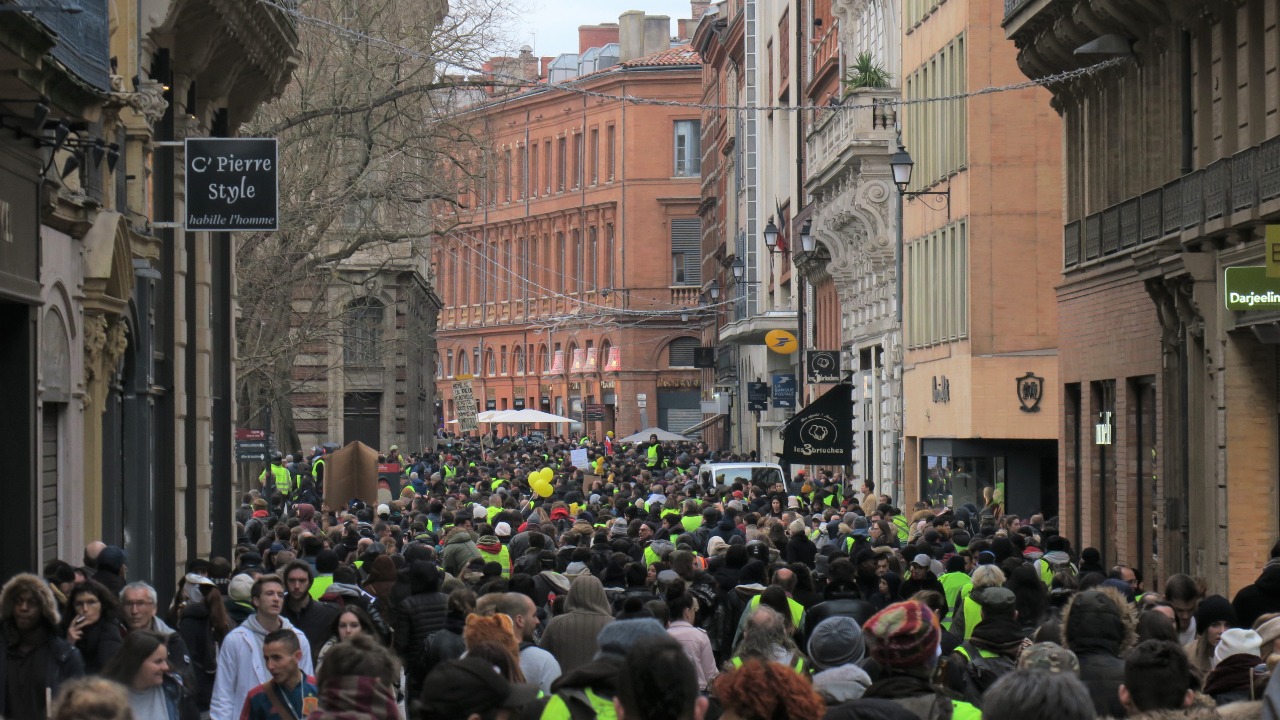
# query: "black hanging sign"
232,184
822,366
757,396
821,433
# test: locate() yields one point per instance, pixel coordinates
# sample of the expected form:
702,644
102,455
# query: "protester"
155,693
290,693
95,628
240,661
36,661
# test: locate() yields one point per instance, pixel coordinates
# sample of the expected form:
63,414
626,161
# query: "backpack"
254,529
980,673
440,646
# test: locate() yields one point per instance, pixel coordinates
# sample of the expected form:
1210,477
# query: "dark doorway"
362,418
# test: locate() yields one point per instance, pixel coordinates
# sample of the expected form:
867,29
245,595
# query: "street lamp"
738,269
714,290
771,235
807,242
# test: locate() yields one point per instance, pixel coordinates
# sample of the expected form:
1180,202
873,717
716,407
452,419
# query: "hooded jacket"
241,667
64,662
1094,628
421,614
1262,597
571,637
459,550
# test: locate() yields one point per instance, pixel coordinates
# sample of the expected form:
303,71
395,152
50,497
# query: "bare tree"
372,157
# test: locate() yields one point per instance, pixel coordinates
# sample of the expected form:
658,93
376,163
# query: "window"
608,255
546,166
522,177
491,366
506,176
688,148
519,361
439,368
464,365
577,260
504,359
533,170
611,147
545,361
562,160
680,352
578,165
560,281
475,359
363,337
593,259
448,363
595,156
937,130
938,287
686,251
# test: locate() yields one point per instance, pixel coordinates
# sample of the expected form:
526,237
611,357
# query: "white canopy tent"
643,436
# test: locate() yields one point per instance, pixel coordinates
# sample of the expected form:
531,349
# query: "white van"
748,473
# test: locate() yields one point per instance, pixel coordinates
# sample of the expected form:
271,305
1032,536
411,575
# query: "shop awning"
705,423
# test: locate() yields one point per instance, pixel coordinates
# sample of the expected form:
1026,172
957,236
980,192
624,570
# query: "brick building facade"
571,280
1172,168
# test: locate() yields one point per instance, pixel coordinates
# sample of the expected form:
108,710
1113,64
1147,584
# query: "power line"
568,87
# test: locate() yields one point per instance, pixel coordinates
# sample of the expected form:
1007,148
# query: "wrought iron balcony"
1227,192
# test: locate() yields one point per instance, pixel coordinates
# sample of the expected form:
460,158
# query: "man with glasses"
138,610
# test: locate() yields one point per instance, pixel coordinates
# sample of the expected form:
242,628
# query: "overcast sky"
554,23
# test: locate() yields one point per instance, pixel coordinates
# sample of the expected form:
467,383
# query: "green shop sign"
1249,288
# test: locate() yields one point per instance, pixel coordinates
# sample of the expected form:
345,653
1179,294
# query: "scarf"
1234,673
356,698
999,635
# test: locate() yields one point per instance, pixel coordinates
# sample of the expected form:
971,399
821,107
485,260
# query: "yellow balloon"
533,477
543,489
547,474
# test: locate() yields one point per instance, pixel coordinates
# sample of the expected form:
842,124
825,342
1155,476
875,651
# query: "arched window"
448,363
603,362
490,365
519,360
362,336
680,352
464,363
545,361
439,368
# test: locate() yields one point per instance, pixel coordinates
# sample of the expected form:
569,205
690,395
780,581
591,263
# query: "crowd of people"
637,587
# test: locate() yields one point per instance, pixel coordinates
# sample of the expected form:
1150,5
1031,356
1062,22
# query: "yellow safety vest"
653,455
282,479
502,557
797,663
797,610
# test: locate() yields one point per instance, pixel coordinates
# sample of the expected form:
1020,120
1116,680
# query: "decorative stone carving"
105,340
148,101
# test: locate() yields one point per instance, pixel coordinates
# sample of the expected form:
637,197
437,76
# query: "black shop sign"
232,184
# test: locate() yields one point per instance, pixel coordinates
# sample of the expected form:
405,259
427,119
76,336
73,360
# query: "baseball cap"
472,685
921,560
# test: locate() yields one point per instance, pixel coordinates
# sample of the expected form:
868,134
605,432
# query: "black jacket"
99,643
201,649
315,621
1262,597
65,663
419,616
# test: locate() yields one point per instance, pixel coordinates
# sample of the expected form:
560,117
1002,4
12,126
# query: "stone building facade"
1172,172
117,327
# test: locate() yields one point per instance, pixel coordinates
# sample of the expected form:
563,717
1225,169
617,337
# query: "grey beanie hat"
836,641
619,636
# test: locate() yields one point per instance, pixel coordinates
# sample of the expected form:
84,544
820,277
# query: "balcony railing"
826,50
1235,184
685,295
872,118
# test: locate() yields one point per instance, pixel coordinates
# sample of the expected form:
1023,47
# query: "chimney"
699,8
657,34
594,36
630,35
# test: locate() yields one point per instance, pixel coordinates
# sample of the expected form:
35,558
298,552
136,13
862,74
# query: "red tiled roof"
683,55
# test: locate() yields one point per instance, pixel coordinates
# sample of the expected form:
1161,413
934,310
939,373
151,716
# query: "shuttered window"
680,352
686,251
49,482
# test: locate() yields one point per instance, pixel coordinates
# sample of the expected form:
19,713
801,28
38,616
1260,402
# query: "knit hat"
796,527
716,546
836,641
618,529
502,529
1237,641
1215,609
479,513
1049,656
111,559
618,637
241,588
259,504
996,600
903,635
